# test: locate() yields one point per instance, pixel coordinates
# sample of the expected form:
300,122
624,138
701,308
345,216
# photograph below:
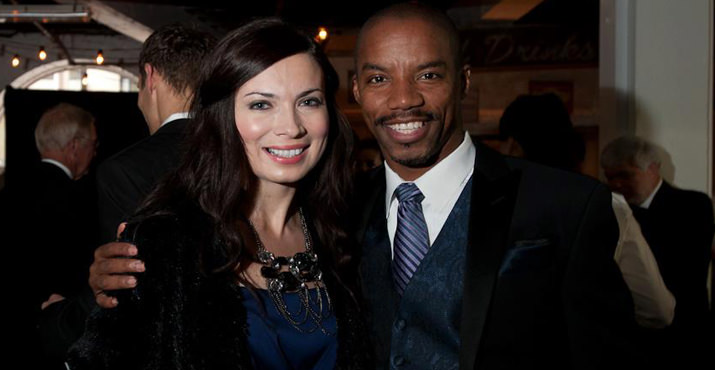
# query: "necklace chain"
303,268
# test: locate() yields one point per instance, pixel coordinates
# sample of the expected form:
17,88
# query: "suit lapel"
494,191
661,197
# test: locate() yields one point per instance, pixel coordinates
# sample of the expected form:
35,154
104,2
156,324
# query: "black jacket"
126,178
541,288
180,318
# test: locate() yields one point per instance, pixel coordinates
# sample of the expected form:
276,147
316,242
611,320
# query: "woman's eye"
311,102
259,105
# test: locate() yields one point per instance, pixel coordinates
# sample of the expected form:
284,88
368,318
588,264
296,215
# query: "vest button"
400,324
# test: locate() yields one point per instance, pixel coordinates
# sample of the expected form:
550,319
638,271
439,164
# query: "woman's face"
282,119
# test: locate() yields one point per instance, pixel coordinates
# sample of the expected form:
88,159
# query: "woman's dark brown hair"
215,174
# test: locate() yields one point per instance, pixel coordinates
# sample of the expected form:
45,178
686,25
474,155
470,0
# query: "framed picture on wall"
563,89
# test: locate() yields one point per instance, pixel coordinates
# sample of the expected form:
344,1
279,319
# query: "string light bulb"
322,34
85,79
100,57
42,54
15,62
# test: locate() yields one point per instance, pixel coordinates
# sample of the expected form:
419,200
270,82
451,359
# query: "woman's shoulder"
167,234
139,228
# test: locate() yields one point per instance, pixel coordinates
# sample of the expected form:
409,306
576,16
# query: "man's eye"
429,76
376,79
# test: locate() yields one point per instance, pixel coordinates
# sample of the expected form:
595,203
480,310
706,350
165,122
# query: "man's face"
409,88
634,183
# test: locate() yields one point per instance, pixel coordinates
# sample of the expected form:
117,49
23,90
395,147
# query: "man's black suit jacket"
50,226
127,177
679,228
57,216
541,288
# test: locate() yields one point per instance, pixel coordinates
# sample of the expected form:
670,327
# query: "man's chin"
417,161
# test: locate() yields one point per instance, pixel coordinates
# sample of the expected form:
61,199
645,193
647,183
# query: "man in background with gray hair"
51,220
66,138
678,225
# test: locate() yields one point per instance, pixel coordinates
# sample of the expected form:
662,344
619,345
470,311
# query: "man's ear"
465,77
356,90
150,76
70,149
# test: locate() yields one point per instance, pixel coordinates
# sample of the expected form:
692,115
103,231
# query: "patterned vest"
421,330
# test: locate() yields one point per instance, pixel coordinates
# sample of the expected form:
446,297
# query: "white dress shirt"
654,303
60,165
174,117
646,203
441,186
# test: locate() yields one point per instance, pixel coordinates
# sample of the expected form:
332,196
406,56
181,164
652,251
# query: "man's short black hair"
422,11
176,52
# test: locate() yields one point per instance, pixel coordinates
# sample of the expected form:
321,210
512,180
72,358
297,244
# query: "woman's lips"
287,154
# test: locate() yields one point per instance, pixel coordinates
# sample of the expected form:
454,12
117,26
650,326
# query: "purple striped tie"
411,238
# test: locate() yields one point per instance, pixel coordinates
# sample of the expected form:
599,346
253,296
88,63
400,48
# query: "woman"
241,243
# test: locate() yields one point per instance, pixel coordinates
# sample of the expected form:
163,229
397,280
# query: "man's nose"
404,95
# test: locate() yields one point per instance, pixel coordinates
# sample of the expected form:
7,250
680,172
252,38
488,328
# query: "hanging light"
42,54
85,79
100,57
15,62
322,34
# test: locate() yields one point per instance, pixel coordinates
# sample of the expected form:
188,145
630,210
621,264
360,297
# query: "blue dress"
276,344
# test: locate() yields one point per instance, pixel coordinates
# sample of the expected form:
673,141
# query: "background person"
678,225
53,217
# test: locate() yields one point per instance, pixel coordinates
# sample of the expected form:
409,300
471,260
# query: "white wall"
673,84
656,82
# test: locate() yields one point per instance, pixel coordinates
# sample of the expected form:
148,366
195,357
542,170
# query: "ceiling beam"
43,13
110,17
510,10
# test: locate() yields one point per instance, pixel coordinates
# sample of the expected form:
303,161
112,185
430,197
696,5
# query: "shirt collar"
60,165
174,117
649,200
440,181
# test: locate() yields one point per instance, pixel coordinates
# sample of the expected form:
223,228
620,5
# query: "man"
52,216
678,225
66,139
169,62
556,300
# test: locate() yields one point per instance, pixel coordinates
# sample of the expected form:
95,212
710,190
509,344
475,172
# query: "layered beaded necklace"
303,269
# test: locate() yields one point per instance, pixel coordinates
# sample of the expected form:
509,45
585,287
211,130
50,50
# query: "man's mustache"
413,113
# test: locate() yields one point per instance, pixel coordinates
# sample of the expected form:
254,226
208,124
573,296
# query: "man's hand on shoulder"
110,270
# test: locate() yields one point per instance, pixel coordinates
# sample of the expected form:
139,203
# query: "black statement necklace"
303,268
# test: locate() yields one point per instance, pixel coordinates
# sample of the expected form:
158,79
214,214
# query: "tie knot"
409,192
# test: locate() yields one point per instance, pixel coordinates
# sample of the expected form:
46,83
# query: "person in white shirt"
678,225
